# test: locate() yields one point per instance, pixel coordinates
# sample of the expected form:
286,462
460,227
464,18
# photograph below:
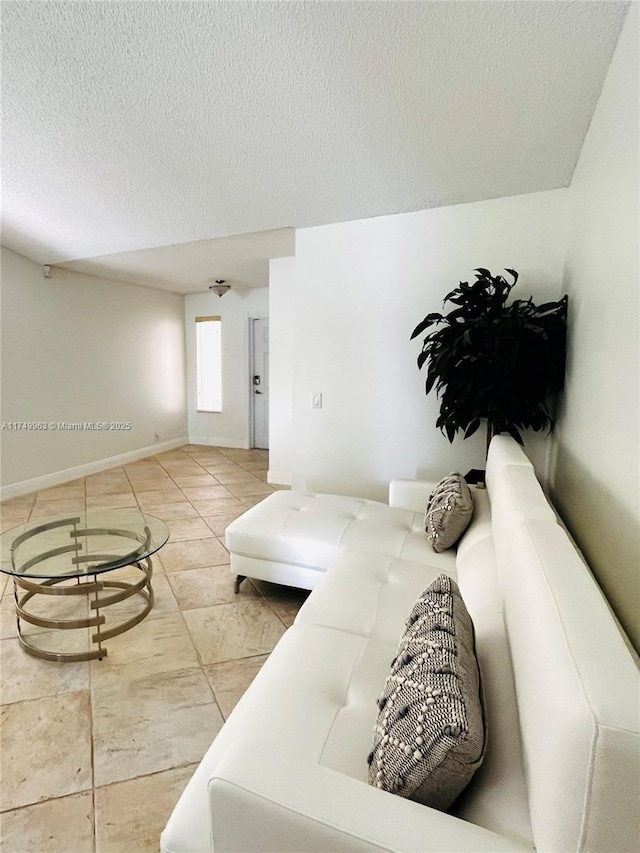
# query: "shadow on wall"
606,532
537,446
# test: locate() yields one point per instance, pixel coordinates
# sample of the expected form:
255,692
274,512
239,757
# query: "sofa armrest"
410,494
266,799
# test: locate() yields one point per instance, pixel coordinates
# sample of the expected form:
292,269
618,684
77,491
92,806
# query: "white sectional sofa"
288,771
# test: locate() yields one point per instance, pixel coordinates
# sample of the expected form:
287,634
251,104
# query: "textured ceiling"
134,125
241,260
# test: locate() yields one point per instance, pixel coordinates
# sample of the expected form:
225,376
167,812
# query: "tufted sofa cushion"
314,695
371,595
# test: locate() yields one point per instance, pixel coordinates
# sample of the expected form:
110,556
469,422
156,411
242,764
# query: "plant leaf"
473,427
424,355
429,320
515,434
431,378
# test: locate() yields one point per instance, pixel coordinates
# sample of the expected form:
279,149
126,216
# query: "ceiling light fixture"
220,287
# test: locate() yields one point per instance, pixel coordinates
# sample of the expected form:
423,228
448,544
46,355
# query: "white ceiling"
129,128
241,260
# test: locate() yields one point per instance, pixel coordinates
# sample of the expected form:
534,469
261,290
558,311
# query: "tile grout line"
93,768
201,666
184,622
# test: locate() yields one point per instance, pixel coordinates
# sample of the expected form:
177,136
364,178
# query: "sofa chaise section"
293,538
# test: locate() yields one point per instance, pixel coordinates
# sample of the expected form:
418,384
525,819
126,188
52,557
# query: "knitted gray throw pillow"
448,512
429,738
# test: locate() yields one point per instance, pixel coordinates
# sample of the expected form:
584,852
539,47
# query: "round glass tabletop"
81,543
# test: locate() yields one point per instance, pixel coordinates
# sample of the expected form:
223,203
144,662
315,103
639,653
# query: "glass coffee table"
71,556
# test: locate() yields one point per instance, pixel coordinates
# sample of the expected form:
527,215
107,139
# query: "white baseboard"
15,490
279,478
219,442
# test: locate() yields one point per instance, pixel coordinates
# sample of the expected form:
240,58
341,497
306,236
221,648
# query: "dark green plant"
489,361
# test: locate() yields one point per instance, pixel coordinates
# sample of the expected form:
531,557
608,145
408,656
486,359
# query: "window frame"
199,365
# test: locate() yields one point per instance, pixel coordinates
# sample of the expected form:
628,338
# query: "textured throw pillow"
448,512
429,738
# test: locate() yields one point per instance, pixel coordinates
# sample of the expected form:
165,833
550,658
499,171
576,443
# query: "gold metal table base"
92,588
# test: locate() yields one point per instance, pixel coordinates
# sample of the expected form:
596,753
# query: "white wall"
282,312
361,288
231,427
597,479
78,348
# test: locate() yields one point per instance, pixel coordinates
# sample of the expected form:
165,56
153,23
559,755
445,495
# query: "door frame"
251,373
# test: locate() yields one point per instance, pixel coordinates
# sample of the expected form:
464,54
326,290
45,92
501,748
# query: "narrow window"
209,364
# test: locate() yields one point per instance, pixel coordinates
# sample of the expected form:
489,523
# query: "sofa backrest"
514,492
577,681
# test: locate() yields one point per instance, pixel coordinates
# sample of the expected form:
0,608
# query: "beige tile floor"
94,755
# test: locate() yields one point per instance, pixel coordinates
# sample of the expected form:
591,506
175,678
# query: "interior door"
260,383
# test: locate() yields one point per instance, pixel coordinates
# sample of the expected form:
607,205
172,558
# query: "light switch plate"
316,401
